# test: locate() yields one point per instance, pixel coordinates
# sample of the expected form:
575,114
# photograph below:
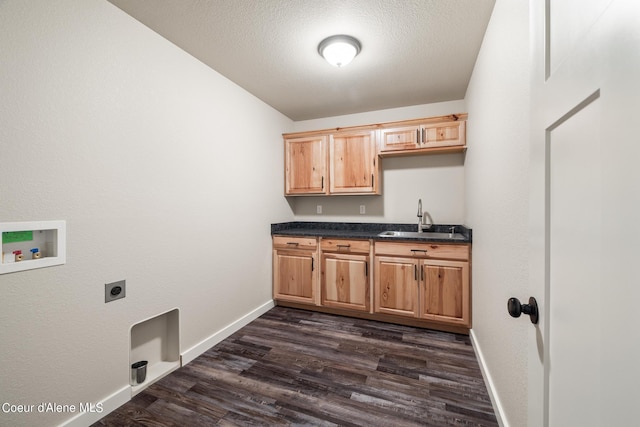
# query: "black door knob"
516,309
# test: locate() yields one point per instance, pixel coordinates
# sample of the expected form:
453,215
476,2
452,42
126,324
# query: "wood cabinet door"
345,281
445,291
400,138
396,286
423,137
294,276
443,134
306,165
352,163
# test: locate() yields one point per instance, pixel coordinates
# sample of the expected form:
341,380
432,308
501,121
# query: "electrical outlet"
363,209
319,209
115,290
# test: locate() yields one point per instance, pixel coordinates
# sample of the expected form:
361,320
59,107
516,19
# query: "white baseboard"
225,332
123,395
495,400
100,409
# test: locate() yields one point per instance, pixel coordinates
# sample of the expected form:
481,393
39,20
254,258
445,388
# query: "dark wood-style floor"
293,367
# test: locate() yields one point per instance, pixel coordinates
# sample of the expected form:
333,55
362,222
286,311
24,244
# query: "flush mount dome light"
339,50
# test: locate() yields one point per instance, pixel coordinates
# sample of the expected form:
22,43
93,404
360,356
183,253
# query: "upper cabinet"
331,163
347,160
305,165
446,134
352,163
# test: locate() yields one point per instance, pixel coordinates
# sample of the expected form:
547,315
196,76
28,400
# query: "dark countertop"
362,230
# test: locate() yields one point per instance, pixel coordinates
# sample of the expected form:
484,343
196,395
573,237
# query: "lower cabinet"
345,276
412,281
396,286
421,283
444,291
294,270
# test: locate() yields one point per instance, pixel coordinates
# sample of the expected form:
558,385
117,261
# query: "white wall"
437,180
144,152
496,184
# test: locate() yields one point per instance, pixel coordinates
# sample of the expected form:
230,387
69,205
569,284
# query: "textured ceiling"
413,51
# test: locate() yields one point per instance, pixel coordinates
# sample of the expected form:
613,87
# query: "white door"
584,364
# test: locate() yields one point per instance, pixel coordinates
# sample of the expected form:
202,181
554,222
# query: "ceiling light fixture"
339,50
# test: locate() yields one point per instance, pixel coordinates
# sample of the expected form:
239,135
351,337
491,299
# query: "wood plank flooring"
295,367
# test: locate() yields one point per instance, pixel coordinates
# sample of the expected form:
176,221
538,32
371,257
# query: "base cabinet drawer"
286,242
423,250
345,246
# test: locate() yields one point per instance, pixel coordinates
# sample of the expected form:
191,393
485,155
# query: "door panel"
352,163
345,281
445,291
584,203
444,134
402,138
305,165
396,286
293,274
575,244
568,21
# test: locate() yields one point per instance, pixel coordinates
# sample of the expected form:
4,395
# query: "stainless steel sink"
423,235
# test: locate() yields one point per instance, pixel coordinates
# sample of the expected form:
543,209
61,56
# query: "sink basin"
413,234
423,235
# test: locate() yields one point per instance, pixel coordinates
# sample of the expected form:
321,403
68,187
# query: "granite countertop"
356,230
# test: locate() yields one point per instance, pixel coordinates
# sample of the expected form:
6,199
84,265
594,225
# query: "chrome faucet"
422,216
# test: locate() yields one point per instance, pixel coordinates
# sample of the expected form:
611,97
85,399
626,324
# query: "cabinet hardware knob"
343,246
419,250
516,309
293,243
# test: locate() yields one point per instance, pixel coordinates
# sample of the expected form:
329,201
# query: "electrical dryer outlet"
114,290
